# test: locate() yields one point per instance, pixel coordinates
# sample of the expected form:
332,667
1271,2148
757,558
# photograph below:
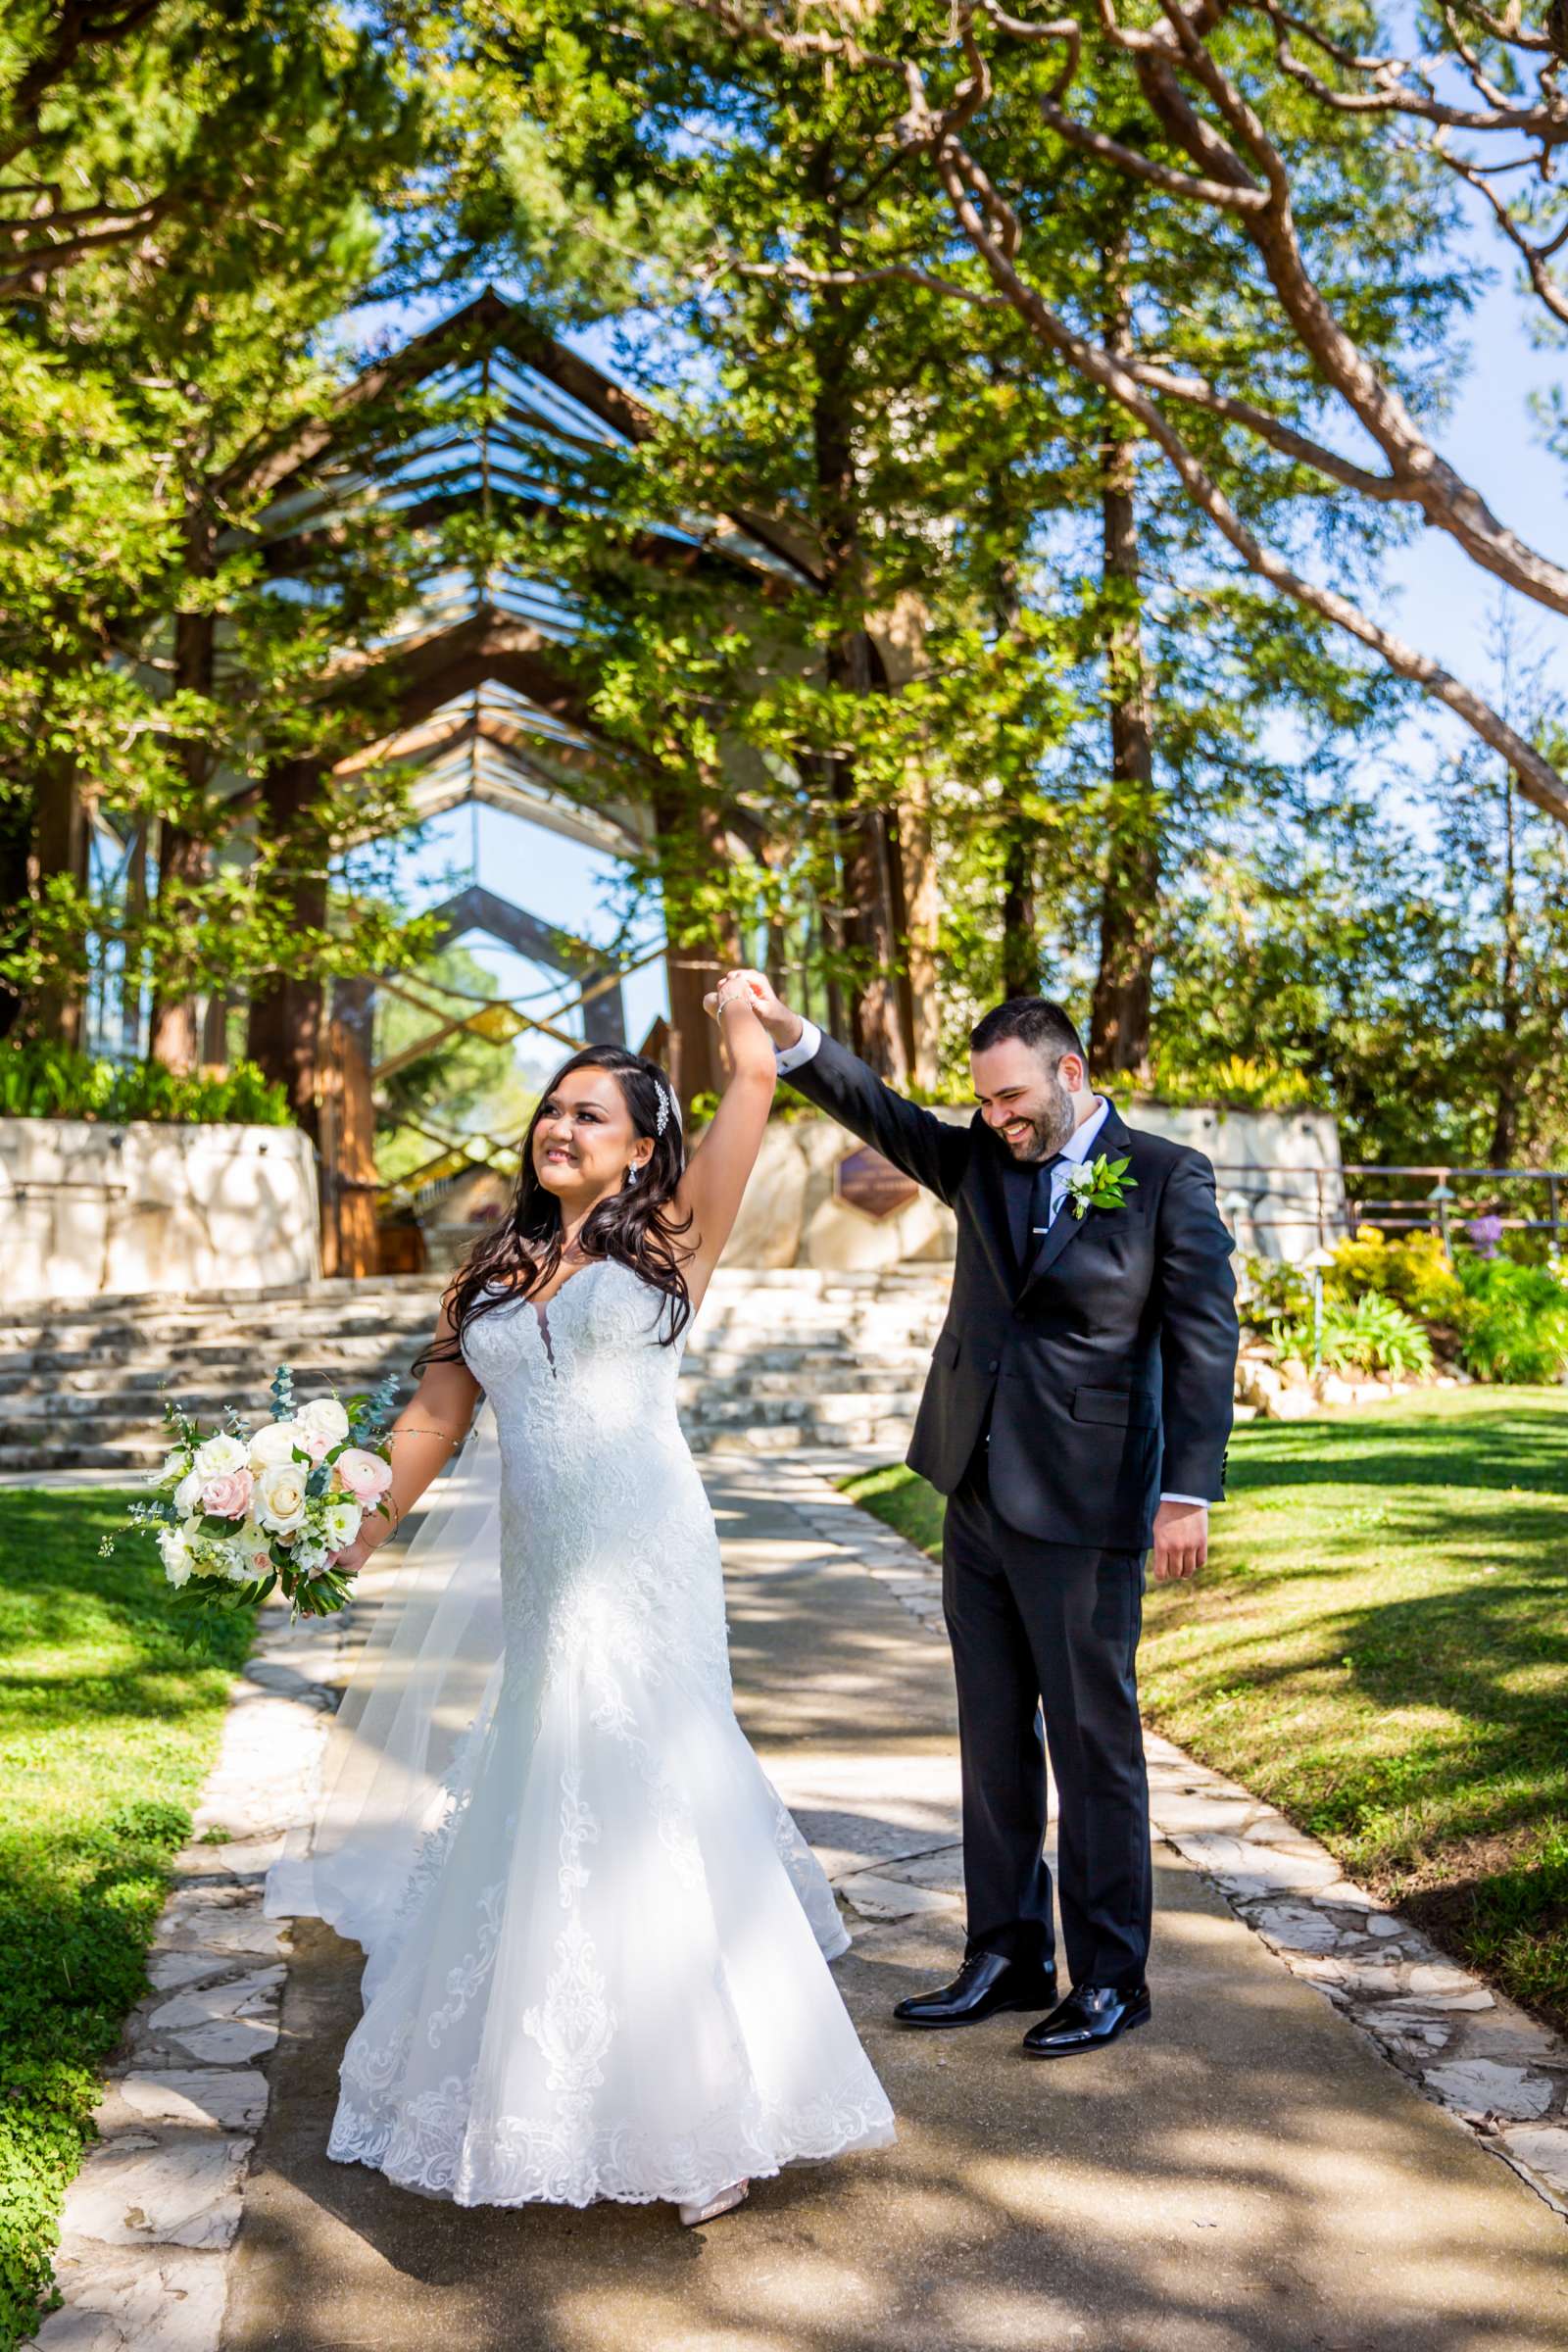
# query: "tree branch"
1197,393
1539,780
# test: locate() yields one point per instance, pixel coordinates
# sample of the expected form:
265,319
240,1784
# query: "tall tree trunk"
1129,907
690,841
16,842
285,1026
349,1242
1510,1072
1020,938
59,844
869,849
1020,919
174,1036
919,917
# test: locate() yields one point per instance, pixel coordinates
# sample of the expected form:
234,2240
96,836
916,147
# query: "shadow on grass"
1499,1440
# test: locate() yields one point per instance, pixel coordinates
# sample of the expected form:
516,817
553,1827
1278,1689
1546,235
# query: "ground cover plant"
1401,1306
1380,1648
107,1729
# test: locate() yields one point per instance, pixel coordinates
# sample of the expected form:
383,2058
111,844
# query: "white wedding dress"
598,1970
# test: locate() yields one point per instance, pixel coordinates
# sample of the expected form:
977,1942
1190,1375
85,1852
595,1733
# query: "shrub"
1374,1335
1512,1321
1414,1273
1270,1290
1235,1082
1371,1335
44,1081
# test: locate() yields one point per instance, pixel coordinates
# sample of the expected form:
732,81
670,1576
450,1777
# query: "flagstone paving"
1263,2168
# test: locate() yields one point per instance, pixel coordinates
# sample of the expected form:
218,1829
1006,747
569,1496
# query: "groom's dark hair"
1039,1021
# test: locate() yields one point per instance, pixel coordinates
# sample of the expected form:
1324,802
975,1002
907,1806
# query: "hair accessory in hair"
663,1121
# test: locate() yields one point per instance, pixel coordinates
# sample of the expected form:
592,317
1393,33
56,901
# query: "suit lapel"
1113,1140
1004,1225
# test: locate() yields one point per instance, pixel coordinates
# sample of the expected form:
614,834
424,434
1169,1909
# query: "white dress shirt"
1077,1149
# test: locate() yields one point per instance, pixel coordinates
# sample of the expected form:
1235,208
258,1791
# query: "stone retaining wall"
153,1208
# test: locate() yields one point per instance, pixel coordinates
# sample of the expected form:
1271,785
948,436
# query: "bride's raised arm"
716,1174
424,1438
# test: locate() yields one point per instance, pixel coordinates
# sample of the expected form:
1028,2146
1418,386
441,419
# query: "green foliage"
106,1733
155,662
1372,1334
1413,1270
43,1080
1503,1320
1343,943
1379,1646
1513,1323
1271,1291
1232,1082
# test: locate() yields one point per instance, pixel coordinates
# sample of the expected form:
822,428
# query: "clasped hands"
736,988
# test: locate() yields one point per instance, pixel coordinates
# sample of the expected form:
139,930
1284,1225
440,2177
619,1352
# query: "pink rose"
366,1475
228,1497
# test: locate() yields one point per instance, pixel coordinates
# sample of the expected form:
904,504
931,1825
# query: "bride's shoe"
725,2202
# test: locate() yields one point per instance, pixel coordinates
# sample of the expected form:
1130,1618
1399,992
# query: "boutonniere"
1099,1184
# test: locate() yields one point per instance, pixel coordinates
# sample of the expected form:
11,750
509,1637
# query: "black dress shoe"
986,1983
1091,2015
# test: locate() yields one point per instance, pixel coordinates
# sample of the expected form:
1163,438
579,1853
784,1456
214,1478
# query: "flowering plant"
239,1513
1103,1184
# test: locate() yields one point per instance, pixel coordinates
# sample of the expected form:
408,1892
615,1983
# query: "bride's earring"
632,1173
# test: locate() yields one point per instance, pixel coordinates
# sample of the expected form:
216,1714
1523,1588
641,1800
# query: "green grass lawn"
1380,1648
107,1729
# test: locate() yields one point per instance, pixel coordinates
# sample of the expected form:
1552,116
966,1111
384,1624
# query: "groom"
1077,1413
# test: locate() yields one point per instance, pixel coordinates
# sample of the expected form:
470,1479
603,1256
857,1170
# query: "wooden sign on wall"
870,1183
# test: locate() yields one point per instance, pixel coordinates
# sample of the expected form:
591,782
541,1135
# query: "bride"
596,1943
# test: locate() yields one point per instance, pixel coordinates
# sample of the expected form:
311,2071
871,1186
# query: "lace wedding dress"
600,1969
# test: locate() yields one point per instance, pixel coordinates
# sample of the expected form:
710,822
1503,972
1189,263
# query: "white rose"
219,1455
251,1543
323,1420
273,1443
176,1552
188,1492
340,1524
281,1497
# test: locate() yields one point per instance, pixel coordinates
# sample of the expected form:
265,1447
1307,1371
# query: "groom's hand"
782,1025
1180,1541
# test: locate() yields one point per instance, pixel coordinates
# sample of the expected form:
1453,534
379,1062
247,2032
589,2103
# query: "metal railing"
1440,1199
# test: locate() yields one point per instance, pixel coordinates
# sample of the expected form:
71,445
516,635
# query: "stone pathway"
1491,2064
1249,2175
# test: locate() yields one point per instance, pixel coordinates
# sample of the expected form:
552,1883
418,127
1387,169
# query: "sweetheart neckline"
521,1298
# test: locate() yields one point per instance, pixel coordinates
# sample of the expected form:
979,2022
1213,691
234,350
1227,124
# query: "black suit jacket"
1108,1371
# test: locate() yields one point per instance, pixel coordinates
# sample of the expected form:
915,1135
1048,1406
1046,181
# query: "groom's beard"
1050,1126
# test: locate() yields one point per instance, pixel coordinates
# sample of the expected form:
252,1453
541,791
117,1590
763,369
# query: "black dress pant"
1049,1630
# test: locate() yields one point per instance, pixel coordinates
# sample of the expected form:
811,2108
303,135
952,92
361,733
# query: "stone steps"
778,1360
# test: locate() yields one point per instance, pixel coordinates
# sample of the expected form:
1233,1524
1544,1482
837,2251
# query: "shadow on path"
1244,2177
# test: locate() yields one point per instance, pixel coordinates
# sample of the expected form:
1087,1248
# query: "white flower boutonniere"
1099,1184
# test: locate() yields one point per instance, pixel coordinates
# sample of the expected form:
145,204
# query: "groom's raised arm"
933,1151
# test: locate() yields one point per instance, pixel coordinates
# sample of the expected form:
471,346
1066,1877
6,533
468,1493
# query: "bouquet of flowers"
239,1513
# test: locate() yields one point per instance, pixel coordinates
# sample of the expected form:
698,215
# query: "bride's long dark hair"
523,1250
